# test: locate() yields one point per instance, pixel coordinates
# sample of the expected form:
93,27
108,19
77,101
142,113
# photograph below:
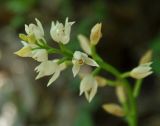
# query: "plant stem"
132,112
104,65
137,87
130,105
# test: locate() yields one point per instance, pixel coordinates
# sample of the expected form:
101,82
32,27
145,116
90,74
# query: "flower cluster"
36,47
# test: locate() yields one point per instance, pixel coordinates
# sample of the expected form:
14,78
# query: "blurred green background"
129,27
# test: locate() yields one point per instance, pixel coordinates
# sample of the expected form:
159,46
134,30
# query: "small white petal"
54,77
40,55
89,86
24,43
40,26
46,68
75,69
26,28
91,62
26,51
93,91
79,55
86,95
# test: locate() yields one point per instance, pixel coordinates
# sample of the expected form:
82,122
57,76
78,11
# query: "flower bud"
114,109
147,57
95,34
121,94
101,81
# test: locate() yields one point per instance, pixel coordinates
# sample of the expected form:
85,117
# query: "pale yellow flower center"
80,61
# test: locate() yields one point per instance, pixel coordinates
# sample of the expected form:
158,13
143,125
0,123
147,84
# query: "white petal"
40,55
79,55
54,77
75,69
56,31
66,32
91,62
87,95
26,51
26,28
86,83
40,26
84,43
89,86
24,43
46,68
93,91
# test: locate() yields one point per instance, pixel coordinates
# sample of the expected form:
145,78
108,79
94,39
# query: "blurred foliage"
19,8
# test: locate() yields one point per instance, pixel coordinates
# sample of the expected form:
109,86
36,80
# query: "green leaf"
156,55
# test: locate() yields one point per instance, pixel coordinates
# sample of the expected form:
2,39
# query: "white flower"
80,59
89,86
142,71
40,55
27,51
47,68
84,43
60,32
36,30
95,34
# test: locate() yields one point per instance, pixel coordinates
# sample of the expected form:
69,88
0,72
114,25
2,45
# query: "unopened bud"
95,34
121,94
114,109
147,57
101,81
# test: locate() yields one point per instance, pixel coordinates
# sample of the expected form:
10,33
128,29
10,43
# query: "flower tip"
80,93
37,78
74,74
36,19
48,84
89,100
97,65
15,53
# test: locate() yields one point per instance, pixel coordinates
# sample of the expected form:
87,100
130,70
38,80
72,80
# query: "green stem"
130,105
125,75
137,87
104,65
132,112
65,50
96,71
